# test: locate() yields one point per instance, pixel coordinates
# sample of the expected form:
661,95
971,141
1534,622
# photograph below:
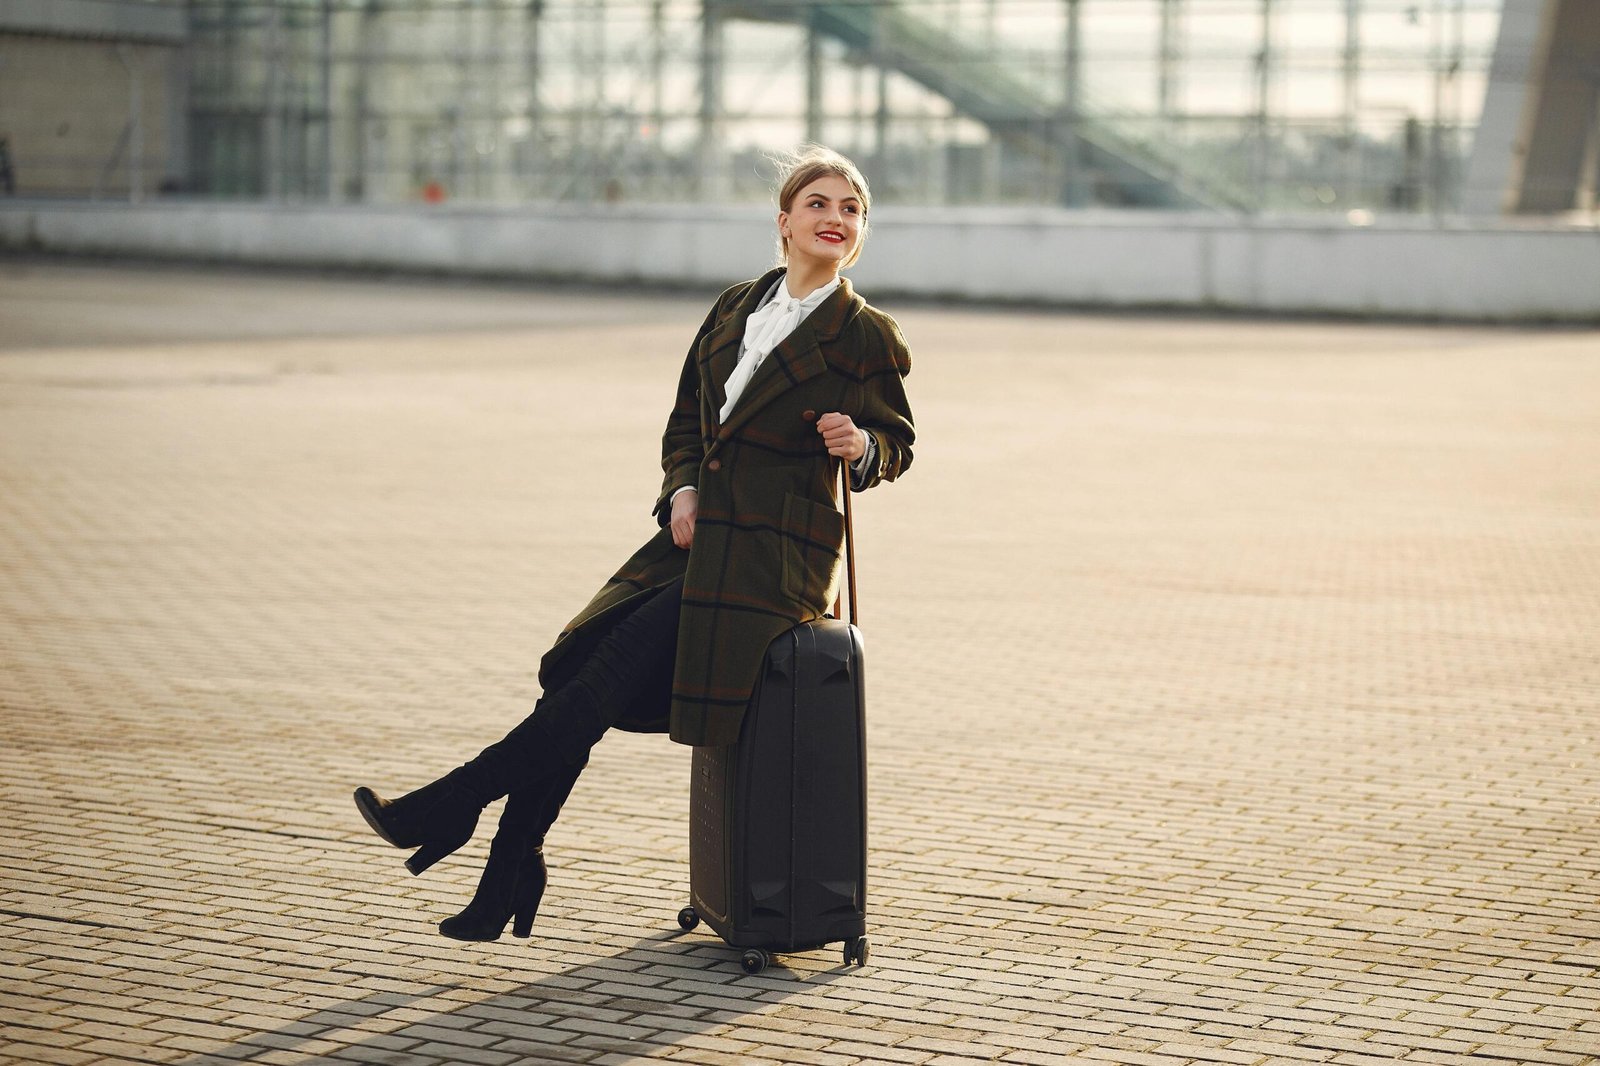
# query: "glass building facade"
1235,105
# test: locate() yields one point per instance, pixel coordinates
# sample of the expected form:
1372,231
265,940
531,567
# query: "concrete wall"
110,20
67,111
1477,270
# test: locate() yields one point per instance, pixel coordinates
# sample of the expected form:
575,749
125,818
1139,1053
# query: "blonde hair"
799,169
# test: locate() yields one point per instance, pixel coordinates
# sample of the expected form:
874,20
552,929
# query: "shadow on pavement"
677,984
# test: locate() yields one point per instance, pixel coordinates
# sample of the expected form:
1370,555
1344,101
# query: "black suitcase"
778,821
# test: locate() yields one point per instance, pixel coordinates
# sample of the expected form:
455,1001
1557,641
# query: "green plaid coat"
768,538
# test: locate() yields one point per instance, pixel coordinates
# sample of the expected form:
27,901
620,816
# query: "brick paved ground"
1233,686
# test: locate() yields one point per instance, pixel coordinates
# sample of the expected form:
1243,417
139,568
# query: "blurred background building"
1281,105
1341,110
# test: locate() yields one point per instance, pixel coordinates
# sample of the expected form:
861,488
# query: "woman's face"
823,222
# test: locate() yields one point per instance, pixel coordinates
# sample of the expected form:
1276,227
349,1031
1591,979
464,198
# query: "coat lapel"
796,359
720,354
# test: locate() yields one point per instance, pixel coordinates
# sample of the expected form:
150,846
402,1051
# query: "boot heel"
532,879
429,854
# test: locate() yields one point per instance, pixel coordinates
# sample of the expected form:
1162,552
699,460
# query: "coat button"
809,416
715,464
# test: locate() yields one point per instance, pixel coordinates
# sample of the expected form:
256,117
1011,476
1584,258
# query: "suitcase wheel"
754,961
688,919
856,951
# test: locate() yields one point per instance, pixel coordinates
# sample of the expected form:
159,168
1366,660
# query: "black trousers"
631,666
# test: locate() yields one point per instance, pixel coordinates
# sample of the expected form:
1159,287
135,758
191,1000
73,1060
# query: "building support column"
533,23
814,105
880,128
1170,59
658,105
179,166
1075,185
713,167
325,101
1350,126
1261,156
272,119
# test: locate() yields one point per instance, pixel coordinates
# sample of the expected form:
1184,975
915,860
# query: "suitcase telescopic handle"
849,546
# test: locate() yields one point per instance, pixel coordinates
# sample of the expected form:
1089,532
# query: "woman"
789,374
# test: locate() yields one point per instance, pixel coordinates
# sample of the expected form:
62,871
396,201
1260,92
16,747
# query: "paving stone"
1043,1058
1233,693
30,1051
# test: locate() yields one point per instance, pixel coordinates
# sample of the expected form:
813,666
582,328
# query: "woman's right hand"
685,505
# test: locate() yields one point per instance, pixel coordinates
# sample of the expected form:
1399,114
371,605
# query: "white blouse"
774,319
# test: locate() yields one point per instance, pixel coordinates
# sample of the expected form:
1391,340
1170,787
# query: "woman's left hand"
842,436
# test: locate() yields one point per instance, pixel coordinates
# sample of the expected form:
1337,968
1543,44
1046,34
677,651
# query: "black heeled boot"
511,887
515,877
441,815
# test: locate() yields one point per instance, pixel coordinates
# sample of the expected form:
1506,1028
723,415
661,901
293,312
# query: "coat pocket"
813,541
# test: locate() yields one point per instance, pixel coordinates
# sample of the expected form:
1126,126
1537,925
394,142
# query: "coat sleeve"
681,445
885,412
